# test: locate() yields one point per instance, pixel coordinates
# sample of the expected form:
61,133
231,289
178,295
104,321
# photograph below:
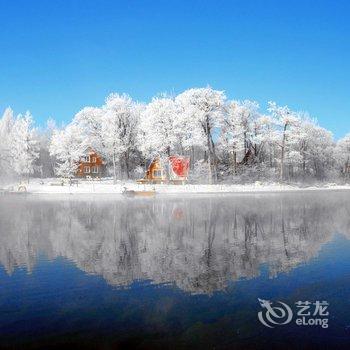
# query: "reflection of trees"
199,244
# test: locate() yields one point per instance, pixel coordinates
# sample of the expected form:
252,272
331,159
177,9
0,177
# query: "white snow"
107,186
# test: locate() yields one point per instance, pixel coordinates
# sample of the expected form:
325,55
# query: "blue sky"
57,56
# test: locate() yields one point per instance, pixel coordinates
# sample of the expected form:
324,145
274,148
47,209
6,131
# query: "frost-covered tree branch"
226,140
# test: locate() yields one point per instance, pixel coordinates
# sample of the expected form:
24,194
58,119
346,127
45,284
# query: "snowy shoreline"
107,187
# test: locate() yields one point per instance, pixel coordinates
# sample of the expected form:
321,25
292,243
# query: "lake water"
181,273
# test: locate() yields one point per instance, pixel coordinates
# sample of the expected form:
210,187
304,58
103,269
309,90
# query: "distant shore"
53,186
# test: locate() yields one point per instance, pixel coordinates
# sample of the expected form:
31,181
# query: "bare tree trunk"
303,151
270,156
283,152
282,165
234,162
210,173
214,159
114,169
127,170
316,169
168,164
192,158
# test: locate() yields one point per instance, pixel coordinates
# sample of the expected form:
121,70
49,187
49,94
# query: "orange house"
90,165
174,171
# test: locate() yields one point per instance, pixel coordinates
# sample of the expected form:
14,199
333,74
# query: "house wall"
94,163
157,174
154,168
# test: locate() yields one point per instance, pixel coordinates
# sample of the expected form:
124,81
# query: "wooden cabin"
90,165
173,170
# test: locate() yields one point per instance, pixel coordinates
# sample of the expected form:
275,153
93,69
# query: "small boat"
132,193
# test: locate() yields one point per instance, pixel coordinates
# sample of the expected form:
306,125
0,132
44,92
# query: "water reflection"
200,244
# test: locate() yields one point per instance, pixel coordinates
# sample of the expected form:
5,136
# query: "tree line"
227,140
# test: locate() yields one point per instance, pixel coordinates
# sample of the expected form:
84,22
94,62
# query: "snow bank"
106,186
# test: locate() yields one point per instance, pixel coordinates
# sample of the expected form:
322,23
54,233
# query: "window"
157,173
86,169
94,169
85,159
93,159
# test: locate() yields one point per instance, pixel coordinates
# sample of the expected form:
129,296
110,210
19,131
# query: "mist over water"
201,262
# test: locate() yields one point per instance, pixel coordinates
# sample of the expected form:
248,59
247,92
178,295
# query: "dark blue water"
105,272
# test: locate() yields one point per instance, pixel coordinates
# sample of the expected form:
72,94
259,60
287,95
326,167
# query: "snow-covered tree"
342,152
267,139
119,129
46,162
321,151
24,145
203,108
287,121
312,148
228,138
239,130
67,147
158,135
89,120
6,127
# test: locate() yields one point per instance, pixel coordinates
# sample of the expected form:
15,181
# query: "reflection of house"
90,165
174,170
